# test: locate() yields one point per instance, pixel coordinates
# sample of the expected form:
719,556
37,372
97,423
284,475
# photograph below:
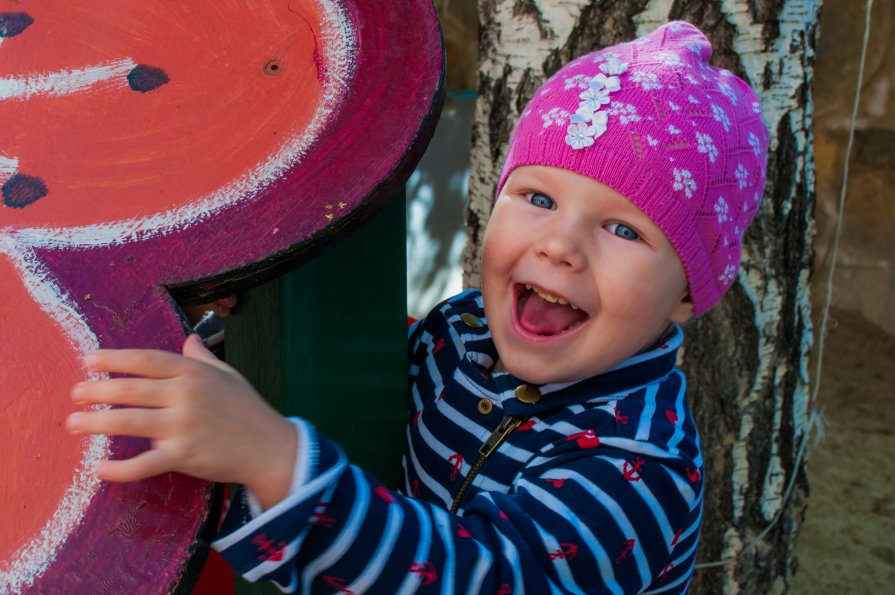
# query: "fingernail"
73,422
77,392
90,359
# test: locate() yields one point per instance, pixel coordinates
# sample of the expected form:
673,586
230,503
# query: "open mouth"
544,314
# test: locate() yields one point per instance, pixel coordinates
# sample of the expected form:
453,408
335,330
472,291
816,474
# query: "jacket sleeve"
574,523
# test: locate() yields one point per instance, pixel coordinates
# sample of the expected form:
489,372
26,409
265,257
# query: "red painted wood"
199,147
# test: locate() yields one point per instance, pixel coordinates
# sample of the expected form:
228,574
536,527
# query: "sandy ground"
847,543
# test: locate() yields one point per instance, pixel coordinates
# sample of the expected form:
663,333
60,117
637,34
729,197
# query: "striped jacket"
586,487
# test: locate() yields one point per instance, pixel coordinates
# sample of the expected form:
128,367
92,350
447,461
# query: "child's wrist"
270,480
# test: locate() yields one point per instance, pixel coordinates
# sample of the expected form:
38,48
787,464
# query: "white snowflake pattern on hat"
647,80
683,181
579,81
728,275
706,145
742,175
721,116
669,59
625,111
722,209
755,144
725,88
554,116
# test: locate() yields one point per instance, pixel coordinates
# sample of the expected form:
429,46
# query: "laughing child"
550,448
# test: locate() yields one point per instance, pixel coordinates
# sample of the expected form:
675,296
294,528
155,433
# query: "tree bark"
746,361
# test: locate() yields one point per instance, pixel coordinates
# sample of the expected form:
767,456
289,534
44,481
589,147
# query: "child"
550,448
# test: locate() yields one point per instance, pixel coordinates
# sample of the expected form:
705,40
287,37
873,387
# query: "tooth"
574,307
527,286
562,301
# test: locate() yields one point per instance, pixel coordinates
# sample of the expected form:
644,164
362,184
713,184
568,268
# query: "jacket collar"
635,372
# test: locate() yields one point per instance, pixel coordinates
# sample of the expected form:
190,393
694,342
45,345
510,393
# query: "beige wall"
865,277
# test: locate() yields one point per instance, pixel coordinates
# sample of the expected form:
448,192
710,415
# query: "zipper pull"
507,425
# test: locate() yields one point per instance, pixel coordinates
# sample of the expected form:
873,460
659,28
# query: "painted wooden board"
151,149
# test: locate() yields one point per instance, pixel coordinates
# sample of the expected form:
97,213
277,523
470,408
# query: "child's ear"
682,311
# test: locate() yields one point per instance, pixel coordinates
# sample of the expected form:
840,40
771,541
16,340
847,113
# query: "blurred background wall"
865,276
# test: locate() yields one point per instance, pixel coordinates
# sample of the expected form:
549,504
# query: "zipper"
504,429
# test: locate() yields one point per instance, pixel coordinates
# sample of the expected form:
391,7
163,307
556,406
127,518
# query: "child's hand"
203,417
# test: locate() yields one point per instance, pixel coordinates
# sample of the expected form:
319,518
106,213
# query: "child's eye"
541,200
622,231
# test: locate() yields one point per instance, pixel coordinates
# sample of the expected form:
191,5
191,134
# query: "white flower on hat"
580,135
596,95
613,65
611,83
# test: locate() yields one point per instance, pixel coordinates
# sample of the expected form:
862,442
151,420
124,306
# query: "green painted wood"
328,342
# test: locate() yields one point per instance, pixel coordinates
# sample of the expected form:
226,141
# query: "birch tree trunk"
746,361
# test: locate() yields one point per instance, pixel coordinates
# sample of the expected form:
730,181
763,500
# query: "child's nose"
561,250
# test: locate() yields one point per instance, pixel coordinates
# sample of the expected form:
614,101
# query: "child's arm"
203,417
555,532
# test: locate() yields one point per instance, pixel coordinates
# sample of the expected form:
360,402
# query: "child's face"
570,237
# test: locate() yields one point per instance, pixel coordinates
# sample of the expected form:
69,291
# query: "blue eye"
541,200
623,231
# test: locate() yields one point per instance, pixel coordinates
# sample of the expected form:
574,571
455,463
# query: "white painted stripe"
35,556
350,530
8,166
67,82
337,37
339,42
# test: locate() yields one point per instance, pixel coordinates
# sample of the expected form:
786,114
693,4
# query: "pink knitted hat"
682,140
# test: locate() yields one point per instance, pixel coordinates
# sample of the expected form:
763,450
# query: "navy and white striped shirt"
597,489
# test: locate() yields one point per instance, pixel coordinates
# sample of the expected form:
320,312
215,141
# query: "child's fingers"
146,464
194,349
150,363
134,392
145,423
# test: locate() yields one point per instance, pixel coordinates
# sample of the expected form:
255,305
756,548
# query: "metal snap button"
485,406
471,320
528,394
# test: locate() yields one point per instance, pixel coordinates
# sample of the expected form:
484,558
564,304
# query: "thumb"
193,348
